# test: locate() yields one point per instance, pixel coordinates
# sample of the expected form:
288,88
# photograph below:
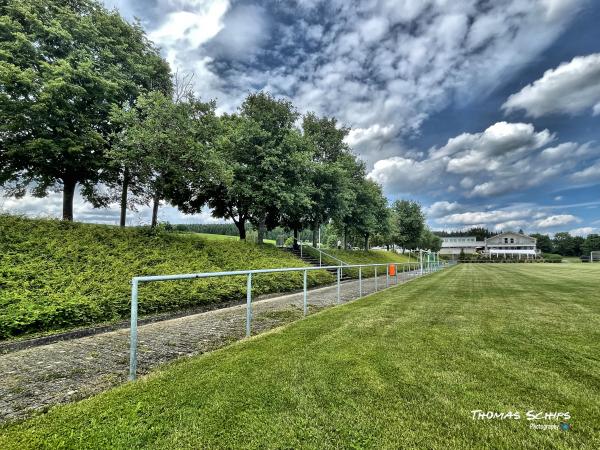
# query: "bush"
56,275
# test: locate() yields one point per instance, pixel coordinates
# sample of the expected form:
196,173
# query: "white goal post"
595,256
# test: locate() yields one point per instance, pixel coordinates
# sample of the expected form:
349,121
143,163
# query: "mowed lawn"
400,369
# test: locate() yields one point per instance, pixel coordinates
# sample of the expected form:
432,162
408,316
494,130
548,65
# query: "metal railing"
321,254
135,282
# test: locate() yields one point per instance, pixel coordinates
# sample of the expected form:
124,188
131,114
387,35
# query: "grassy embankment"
364,257
404,368
56,275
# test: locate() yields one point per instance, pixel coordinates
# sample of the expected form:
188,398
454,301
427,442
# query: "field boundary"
17,344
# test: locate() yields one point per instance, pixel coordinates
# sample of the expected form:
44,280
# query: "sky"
486,112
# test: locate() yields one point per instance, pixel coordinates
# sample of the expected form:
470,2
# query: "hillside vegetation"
363,257
56,275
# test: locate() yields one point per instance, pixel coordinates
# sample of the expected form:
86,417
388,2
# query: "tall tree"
591,244
430,241
368,214
166,148
564,244
409,223
257,149
332,195
62,66
544,243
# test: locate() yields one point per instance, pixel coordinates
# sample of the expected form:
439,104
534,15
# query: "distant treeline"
479,232
229,229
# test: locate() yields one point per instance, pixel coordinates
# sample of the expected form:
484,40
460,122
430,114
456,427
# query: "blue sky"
486,112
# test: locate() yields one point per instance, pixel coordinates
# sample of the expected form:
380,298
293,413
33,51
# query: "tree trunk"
345,238
366,242
261,231
315,235
155,205
68,195
296,246
241,226
124,198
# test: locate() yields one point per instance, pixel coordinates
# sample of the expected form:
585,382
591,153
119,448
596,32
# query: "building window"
512,241
506,240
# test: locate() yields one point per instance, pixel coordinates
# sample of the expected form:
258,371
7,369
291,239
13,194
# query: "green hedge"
56,275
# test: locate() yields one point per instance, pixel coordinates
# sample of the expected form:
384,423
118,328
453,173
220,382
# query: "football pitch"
476,356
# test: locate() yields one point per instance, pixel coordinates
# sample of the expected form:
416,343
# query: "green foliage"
363,257
409,223
55,275
544,243
591,244
63,65
402,369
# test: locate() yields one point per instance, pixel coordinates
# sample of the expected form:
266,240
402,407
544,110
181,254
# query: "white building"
510,245
469,245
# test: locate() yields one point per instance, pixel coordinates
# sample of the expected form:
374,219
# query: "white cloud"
443,208
51,207
371,64
504,158
590,174
583,231
571,88
558,198
558,220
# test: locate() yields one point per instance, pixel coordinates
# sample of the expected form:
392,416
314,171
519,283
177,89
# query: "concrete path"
37,378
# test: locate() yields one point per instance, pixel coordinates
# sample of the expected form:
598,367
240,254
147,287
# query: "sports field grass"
404,368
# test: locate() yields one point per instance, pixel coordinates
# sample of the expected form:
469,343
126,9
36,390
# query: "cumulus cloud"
504,158
583,231
51,207
571,88
385,64
513,217
557,220
443,208
590,174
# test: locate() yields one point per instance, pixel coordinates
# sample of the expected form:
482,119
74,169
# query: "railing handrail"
328,255
135,281
186,276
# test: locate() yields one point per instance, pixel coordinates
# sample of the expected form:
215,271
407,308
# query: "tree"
332,193
256,148
297,198
368,214
409,223
591,244
430,241
166,148
62,66
544,243
564,244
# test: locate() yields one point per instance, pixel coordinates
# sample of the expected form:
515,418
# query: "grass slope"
55,275
362,257
400,369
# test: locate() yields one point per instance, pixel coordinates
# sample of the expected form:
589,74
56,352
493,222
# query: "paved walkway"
35,379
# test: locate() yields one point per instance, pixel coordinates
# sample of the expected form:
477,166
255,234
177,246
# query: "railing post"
133,336
360,282
320,257
396,266
338,284
249,305
305,293
375,278
387,276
